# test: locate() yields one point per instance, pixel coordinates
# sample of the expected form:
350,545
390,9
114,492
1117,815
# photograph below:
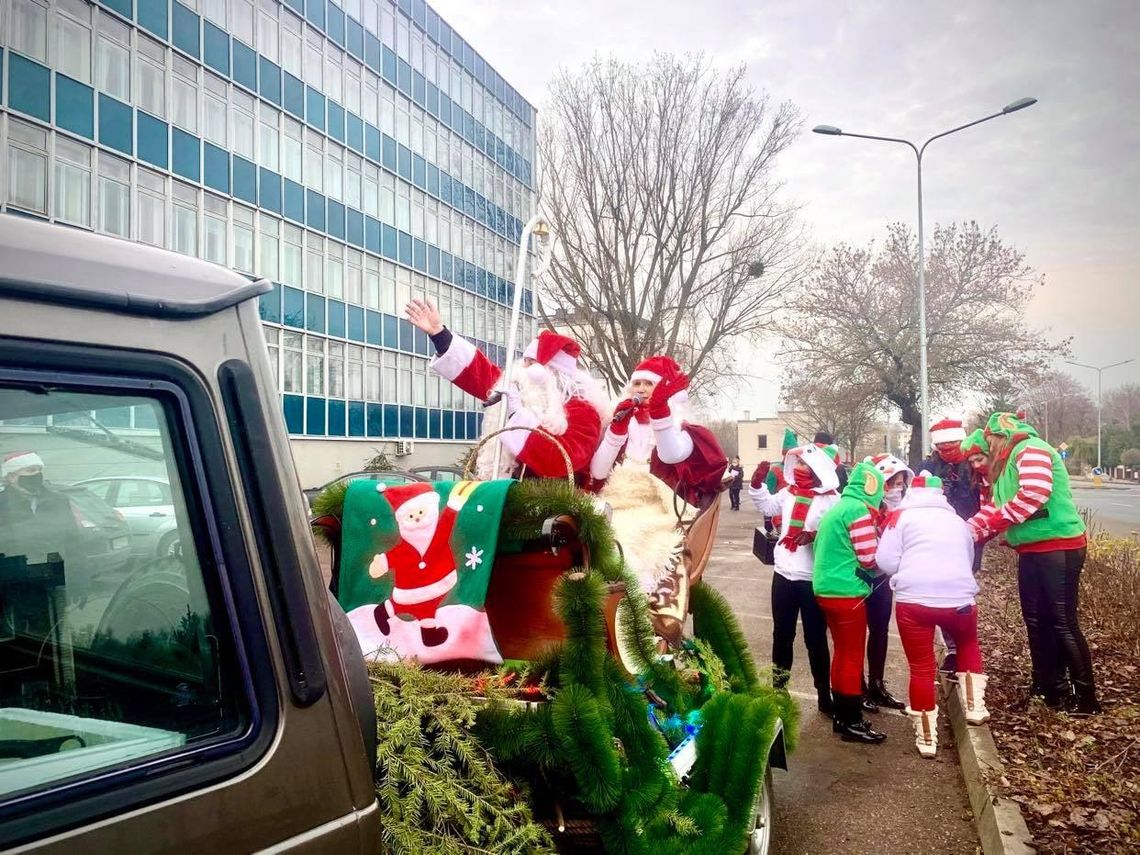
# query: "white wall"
319,461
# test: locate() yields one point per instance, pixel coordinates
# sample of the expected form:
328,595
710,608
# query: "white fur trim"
21,461
531,351
411,596
460,354
644,375
563,362
947,435
819,463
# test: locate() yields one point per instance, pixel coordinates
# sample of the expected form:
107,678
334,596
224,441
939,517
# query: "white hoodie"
928,552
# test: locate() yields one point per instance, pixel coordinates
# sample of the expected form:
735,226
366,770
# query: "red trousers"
847,621
916,628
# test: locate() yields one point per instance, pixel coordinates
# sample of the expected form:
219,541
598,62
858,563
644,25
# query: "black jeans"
1048,584
792,601
879,605
734,497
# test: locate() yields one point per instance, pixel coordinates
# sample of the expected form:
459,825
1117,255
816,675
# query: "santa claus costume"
927,552
812,489
654,433
548,391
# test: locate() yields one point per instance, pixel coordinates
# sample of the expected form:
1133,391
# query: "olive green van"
207,697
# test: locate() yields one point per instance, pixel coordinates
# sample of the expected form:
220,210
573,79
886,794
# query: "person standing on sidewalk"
736,484
844,555
927,552
875,692
1032,507
811,491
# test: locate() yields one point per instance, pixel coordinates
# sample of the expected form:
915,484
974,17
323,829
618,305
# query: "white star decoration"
474,558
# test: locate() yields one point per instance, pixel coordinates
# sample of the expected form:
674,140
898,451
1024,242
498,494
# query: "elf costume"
949,464
800,506
653,433
927,551
556,396
879,604
844,554
1032,506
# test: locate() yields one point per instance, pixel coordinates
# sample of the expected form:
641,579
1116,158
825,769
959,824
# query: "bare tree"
1060,406
856,322
1122,405
658,180
847,412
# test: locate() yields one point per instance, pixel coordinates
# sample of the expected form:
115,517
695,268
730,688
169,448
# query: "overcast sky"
1060,180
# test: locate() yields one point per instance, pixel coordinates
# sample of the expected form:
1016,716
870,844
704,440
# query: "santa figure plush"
422,564
547,390
648,428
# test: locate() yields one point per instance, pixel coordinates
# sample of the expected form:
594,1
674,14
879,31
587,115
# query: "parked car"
438,473
148,507
394,476
104,540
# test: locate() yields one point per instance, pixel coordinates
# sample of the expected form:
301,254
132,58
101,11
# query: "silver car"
146,504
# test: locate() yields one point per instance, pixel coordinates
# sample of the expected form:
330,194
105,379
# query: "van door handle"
158,514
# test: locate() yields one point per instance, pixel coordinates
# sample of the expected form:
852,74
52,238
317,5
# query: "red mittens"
624,413
760,474
663,391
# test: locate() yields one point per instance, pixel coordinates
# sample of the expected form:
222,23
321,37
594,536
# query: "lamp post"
1099,371
832,131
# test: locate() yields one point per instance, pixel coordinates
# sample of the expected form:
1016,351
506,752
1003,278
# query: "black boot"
824,703
880,695
850,724
1083,700
381,617
865,700
433,636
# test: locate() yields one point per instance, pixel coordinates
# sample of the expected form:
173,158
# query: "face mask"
893,496
31,483
953,455
804,480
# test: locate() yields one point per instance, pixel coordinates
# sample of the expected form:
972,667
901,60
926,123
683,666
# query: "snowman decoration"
422,564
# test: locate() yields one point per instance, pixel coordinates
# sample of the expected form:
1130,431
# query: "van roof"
58,264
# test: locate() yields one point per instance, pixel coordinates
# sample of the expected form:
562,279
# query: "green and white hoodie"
847,539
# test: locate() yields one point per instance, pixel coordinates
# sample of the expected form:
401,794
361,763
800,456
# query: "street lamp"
832,131
1098,371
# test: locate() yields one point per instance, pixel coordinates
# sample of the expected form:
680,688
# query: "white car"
146,504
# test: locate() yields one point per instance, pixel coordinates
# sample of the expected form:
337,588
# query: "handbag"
764,546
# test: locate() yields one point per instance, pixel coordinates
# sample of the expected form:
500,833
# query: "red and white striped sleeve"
865,539
1034,485
466,366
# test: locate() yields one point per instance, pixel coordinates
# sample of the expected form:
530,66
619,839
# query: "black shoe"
861,732
1083,702
823,702
881,696
433,636
381,617
868,705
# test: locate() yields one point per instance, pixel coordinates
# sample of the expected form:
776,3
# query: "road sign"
1064,446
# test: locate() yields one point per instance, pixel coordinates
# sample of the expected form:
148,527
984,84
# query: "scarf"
803,494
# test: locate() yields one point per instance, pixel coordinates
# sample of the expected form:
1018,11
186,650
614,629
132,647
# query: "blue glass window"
448,425
314,416
433,179
245,180
419,171
336,318
354,37
355,227
336,418
379,418
406,423
335,223
294,307
388,242
356,418
372,327
314,108
372,143
74,106
186,29
389,153
216,168
186,154
388,65
336,121
404,77
391,331
294,406
269,189
421,423
293,96
404,253
315,12
270,80
152,16
335,19
29,87
314,313
269,305
216,48
123,7
315,210
354,132
434,424
433,261
245,65
297,6
372,235
419,255
404,162
294,207
152,139
407,339
355,323
372,51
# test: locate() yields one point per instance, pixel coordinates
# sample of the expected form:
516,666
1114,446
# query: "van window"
114,648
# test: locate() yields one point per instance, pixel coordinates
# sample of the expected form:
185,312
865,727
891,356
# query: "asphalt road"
838,798
1115,508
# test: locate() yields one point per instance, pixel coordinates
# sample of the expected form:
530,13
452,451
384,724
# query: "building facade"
762,438
355,155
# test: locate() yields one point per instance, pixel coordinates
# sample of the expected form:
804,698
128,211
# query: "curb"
1000,825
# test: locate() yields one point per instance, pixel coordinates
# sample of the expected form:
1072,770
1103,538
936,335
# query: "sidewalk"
838,798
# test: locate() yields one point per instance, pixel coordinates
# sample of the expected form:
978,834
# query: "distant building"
761,439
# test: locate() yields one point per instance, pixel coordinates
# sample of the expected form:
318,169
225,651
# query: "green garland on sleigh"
589,751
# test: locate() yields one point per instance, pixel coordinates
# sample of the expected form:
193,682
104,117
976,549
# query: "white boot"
925,731
973,689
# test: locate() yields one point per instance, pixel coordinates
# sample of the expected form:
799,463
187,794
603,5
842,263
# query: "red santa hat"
554,351
418,492
655,369
18,460
947,430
